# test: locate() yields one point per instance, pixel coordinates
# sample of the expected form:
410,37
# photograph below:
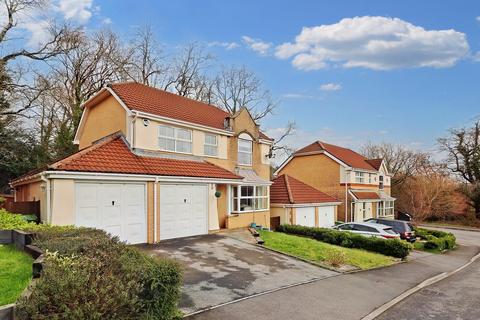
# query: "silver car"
369,229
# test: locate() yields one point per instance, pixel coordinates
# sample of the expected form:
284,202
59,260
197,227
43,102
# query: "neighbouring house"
294,202
363,185
153,165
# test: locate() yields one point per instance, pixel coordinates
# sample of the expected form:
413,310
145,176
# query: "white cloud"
257,45
226,45
79,10
378,43
107,21
330,87
478,18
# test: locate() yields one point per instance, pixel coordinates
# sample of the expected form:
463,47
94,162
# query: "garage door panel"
305,216
183,210
326,216
117,208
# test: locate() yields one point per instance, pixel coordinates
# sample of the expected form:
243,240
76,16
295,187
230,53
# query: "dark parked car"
404,228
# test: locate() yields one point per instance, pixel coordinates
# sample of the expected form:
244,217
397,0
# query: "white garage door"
305,216
183,211
117,208
326,216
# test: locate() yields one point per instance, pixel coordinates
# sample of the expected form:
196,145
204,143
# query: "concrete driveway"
219,269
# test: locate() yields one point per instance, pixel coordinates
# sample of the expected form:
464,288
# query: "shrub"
392,247
436,239
95,276
336,258
9,221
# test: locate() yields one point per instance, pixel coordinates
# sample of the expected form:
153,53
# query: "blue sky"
413,82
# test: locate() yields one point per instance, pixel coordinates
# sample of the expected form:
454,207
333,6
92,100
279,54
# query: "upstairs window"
359,177
210,147
174,139
245,147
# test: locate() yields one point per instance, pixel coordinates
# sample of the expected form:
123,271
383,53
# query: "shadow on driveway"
219,269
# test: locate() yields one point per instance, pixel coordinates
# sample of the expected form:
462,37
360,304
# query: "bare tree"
400,161
143,59
76,77
463,149
280,147
239,87
59,42
187,74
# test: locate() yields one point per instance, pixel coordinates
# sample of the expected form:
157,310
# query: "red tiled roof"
345,155
286,189
376,163
147,99
112,155
365,195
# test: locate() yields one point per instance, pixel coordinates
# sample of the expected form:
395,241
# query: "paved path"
456,297
350,296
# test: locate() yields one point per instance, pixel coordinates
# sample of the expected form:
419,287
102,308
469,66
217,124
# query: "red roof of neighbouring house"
147,99
288,190
365,195
113,155
376,163
349,157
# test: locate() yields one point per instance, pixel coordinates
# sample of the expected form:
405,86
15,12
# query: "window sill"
237,213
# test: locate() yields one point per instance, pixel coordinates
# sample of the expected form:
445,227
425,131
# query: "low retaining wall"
23,242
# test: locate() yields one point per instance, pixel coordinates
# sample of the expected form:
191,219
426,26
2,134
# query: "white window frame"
244,152
175,138
205,145
359,177
238,197
388,208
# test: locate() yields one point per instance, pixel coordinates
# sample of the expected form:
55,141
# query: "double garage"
122,209
305,216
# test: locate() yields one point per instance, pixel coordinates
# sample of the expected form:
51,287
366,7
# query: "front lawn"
323,253
15,273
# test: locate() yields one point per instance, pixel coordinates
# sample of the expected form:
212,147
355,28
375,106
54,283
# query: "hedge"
88,274
436,239
391,247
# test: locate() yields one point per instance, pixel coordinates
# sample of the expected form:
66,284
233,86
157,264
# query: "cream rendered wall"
146,137
264,151
63,202
212,208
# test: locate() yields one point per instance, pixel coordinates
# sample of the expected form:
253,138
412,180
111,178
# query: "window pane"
244,145
211,139
261,191
210,150
245,158
183,146
184,134
166,131
261,203
166,144
246,204
247,191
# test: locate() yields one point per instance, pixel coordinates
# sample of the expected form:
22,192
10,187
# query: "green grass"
15,273
321,252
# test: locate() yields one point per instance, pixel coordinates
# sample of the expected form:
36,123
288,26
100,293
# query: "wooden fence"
24,207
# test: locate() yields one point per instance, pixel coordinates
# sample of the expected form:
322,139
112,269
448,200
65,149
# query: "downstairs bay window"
249,198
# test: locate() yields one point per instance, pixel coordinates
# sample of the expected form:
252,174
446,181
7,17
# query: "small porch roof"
250,177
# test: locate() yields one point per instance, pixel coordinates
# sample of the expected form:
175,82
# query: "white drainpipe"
48,191
155,211
346,194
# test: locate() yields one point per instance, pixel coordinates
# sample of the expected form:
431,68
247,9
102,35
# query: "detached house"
153,165
363,185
